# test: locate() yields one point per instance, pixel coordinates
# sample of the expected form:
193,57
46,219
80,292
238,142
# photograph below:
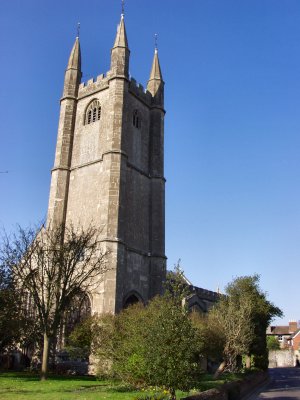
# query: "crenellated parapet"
93,85
102,82
140,92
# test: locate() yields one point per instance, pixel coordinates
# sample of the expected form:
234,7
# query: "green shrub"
155,345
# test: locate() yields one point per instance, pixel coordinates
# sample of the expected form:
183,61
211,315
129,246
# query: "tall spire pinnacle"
75,56
155,70
120,52
156,84
121,37
73,71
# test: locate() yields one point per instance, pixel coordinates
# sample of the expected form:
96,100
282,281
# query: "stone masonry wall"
281,358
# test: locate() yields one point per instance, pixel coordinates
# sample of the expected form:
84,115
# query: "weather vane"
155,40
123,4
78,29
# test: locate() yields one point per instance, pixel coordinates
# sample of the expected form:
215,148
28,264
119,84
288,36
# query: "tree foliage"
17,327
154,345
272,343
53,266
173,348
79,342
211,338
244,314
9,311
176,284
162,344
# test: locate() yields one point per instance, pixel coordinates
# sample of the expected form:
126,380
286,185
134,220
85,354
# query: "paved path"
284,385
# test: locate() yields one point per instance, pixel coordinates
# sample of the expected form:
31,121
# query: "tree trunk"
220,370
45,360
248,362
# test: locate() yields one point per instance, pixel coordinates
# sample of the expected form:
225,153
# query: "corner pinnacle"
75,56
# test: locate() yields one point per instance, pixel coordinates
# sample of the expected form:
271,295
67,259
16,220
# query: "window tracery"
93,112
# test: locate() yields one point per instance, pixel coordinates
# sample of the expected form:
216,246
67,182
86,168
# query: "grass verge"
26,386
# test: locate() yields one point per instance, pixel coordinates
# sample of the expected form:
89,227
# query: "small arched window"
93,112
136,119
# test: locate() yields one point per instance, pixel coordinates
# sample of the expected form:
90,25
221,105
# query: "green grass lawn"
25,386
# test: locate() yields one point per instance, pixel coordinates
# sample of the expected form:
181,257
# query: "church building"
109,172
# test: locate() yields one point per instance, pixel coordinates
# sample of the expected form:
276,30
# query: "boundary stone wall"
281,358
233,390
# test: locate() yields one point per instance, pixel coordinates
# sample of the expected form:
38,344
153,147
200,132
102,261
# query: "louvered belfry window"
93,112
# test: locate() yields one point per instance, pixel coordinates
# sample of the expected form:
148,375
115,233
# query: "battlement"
139,91
205,294
102,82
93,85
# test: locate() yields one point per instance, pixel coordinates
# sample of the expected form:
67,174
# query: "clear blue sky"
232,132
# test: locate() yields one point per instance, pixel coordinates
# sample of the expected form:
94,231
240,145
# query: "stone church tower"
109,172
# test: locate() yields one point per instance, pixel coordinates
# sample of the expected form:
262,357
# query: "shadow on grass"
20,376
206,381
32,376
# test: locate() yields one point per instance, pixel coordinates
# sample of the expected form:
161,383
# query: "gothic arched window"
136,119
93,112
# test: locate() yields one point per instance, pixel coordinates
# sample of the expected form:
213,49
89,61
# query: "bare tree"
54,265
